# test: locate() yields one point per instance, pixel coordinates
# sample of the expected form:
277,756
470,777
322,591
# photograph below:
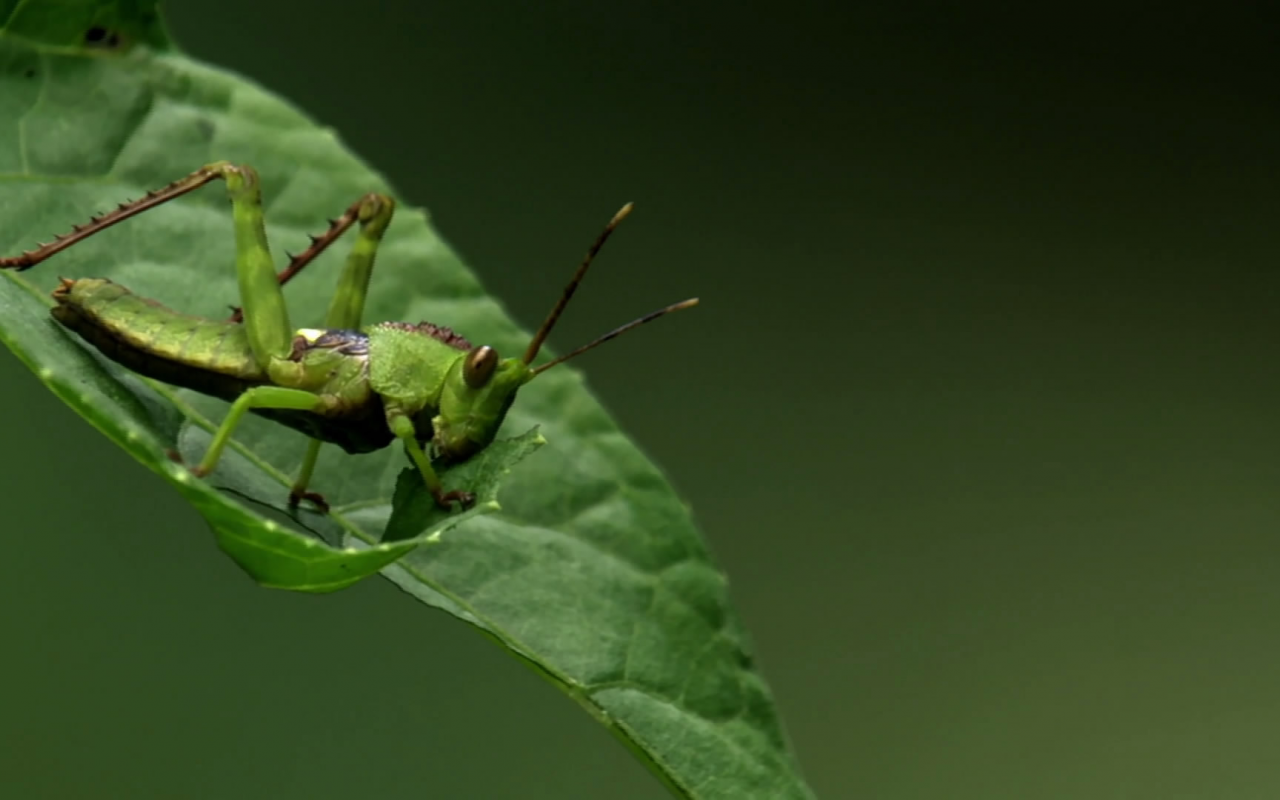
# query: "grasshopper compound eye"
479,366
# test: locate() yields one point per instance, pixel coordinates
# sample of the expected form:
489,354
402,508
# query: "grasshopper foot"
446,499
296,496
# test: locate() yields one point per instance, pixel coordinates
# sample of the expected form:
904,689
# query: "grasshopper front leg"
403,428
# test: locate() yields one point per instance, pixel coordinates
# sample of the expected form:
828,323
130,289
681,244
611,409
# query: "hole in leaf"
98,36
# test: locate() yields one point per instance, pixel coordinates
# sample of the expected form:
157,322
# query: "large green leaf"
591,572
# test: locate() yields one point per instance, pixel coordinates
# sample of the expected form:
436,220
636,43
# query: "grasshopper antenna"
541,336
690,303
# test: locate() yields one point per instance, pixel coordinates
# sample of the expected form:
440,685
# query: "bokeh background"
981,413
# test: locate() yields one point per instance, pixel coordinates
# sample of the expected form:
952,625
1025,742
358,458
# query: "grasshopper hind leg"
269,326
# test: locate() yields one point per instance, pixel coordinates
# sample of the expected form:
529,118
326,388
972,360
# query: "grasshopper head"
481,387
478,391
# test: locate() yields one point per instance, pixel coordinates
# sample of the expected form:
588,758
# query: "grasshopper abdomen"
200,354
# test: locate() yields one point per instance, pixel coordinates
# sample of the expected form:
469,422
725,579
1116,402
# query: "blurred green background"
980,413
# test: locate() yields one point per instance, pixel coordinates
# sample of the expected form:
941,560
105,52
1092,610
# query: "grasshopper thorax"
430,368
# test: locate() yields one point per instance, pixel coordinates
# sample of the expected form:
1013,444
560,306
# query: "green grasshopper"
361,388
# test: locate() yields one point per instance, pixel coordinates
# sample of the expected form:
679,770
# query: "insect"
361,388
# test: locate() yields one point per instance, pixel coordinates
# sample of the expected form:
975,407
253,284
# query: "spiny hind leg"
120,213
269,331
